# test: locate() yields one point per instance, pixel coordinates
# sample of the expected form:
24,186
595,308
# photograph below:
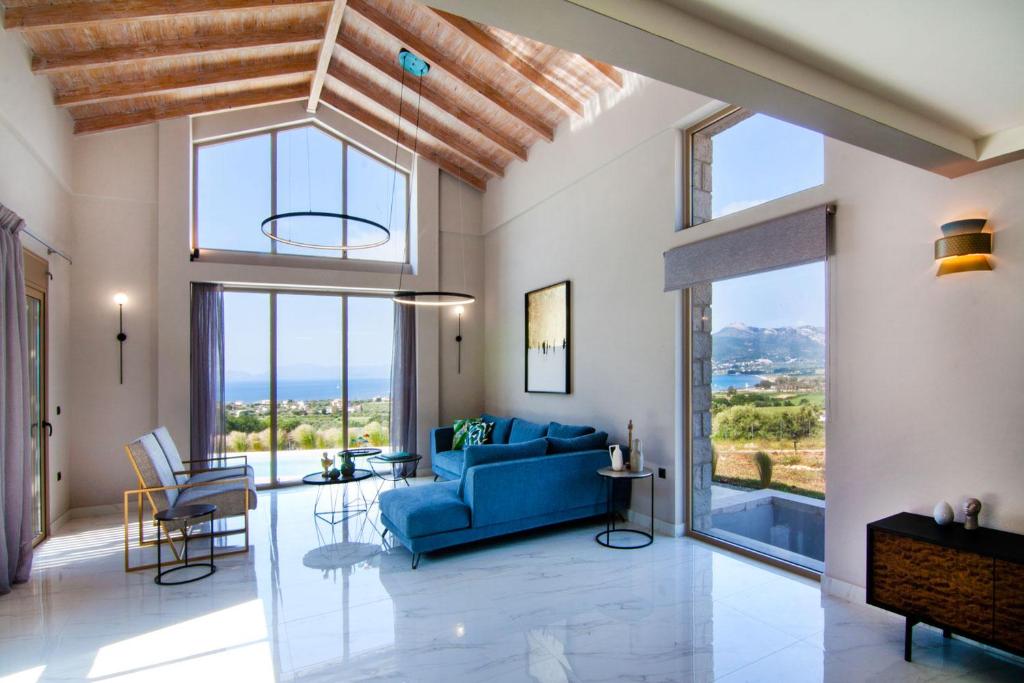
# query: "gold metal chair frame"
148,492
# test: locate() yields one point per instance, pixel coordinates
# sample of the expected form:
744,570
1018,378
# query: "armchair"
164,482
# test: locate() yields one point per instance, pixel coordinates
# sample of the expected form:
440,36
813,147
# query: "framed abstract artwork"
548,347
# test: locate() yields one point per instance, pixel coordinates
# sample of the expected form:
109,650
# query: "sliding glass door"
307,372
39,430
759,472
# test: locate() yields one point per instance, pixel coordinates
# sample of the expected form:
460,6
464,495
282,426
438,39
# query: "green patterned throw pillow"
470,432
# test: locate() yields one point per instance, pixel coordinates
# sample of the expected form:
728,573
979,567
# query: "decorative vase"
636,456
334,473
972,508
348,465
616,453
943,513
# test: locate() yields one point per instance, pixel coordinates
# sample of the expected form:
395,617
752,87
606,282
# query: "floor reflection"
315,601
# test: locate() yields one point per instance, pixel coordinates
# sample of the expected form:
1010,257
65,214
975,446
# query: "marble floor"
315,603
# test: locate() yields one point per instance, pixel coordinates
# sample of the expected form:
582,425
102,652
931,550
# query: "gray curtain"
403,384
16,455
208,428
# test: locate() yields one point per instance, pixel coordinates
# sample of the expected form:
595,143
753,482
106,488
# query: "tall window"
738,159
306,373
767,486
239,182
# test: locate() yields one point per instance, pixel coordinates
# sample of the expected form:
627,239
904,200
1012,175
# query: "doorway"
36,278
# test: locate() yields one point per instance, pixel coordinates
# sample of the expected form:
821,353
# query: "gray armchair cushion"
153,469
229,497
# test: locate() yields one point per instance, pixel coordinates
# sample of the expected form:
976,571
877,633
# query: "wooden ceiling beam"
540,82
613,75
80,13
323,60
413,42
389,130
176,47
394,71
390,101
250,98
183,80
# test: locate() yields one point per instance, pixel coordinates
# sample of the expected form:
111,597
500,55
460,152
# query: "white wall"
926,372
132,215
596,208
115,206
35,183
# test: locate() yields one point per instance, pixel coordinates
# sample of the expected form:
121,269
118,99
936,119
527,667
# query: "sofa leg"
435,478
383,535
415,560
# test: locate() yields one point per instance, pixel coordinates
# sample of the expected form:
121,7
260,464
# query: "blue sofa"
447,463
499,488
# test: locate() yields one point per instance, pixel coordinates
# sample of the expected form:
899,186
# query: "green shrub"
714,461
260,441
237,442
304,436
764,468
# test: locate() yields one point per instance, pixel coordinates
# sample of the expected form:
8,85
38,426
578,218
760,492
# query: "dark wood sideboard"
966,582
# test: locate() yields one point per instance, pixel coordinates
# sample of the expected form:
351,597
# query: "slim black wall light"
120,299
459,310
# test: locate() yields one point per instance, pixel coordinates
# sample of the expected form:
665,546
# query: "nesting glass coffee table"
332,512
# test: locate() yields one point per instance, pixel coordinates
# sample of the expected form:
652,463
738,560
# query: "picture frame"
548,339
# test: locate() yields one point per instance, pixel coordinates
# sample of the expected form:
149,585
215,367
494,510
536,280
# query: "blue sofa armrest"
441,439
517,489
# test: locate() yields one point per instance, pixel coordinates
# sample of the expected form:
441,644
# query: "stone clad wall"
700,405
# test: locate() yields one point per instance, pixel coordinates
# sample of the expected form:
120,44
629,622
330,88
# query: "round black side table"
605,537
188,515
335,514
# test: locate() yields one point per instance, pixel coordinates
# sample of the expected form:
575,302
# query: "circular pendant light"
419,68
438,299
265,227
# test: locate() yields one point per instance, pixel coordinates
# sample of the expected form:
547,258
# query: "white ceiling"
958,62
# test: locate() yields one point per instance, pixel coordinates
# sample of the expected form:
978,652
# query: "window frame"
688,165
272,331
246,256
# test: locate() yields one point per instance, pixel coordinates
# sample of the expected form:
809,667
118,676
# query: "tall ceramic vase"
636,456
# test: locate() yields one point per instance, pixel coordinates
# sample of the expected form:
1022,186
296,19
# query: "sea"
723,382
359,389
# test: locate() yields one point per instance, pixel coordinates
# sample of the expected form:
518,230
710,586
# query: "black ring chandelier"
410,298
265,227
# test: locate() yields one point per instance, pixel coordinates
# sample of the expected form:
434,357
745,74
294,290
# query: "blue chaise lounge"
500,488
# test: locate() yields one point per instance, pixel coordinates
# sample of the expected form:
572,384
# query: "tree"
799,424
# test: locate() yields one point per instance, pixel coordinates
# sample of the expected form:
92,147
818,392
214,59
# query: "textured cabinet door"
916,578
973,580
1009,607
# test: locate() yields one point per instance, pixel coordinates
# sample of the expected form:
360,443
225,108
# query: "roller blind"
791,240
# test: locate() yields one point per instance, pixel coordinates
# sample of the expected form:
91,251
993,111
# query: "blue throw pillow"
488,453
524,430
502,427
560,431
587,442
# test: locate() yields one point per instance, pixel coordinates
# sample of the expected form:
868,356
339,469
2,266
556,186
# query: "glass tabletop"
318,478
360,452
625,474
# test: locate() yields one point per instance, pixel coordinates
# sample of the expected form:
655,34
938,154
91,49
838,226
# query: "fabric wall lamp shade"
963,247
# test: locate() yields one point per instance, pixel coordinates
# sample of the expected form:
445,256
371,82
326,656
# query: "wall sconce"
121,299
963,247
459,311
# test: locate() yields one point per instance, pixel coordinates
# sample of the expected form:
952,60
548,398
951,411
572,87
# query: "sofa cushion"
425,510
524,430
229,497
501,429
449,461
561,431
488,453
587,442
471,432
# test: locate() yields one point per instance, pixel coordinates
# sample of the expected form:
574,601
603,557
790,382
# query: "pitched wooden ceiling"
488,97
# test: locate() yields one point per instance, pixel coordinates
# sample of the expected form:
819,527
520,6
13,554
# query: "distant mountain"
737,342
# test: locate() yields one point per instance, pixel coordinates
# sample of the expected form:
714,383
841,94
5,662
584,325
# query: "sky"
309,336
757,160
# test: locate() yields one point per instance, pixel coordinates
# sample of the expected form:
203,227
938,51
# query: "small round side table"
605,537
188,515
